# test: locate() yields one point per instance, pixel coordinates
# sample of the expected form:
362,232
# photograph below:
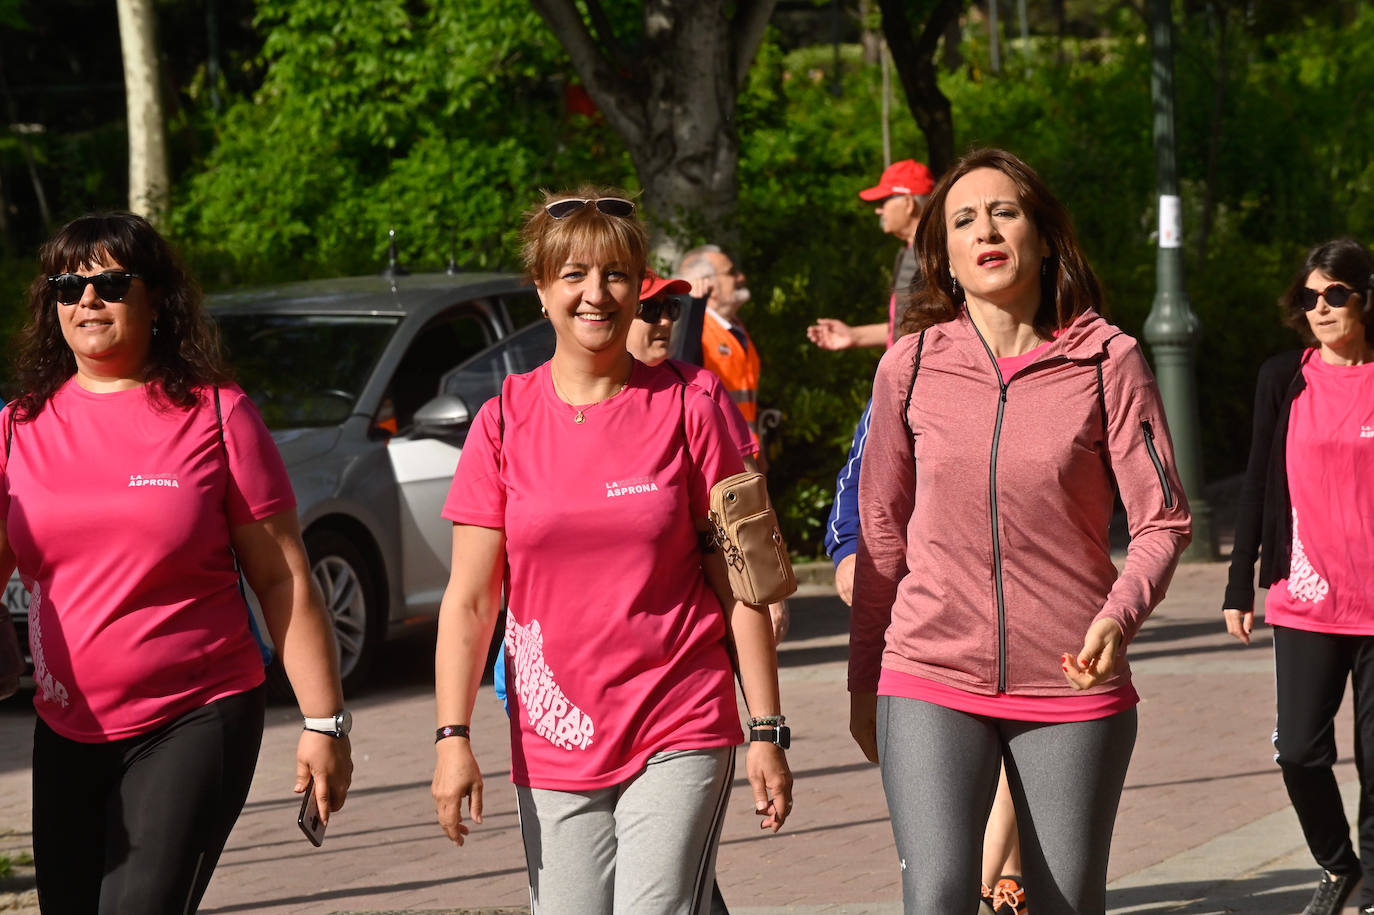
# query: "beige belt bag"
745,529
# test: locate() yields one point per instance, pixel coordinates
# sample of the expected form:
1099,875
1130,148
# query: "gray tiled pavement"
1203,827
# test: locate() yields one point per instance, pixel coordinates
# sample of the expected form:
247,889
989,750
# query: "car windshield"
304,370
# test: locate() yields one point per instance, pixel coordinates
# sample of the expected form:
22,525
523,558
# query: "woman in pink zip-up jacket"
988,619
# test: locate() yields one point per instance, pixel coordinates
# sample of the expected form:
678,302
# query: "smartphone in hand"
309,818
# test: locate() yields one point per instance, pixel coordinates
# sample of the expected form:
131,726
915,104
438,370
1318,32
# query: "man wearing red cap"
900,197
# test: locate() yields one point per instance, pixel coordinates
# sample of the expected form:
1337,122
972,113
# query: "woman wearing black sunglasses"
584,486
135,480
1305,512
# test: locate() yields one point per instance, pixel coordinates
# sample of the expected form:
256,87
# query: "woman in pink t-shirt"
584,486
1306,513
135,481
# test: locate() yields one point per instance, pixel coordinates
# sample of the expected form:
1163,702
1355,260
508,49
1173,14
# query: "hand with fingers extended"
456,776
1096,660
329,761
863,723
832,334
771,779
1239,624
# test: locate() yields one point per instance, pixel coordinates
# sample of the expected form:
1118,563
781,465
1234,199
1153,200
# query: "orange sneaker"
985,905
1008,896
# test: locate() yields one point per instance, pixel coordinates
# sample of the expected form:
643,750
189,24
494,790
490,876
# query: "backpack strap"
1102,399
915,368
682,397
219,424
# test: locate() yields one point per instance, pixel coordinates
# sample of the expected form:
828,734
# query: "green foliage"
438,119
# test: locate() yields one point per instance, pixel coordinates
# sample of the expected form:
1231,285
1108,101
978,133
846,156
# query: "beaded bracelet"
451,730
764,721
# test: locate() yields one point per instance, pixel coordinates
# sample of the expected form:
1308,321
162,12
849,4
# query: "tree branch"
914,59
749,26
604,29
612,94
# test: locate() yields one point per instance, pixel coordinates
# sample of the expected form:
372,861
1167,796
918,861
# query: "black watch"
780,735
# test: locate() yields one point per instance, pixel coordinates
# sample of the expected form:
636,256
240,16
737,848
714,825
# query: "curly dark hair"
1344,260
1068,286
185,351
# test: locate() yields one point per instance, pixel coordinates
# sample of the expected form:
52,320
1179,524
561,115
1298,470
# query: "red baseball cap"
654,285
905,177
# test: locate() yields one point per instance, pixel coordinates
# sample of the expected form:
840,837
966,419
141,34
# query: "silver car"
348,375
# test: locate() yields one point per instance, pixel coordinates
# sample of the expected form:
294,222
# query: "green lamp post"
1172,330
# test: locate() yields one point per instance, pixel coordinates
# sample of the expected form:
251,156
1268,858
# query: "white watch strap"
325,725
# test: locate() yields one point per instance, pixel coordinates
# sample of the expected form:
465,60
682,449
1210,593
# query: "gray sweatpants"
939,771
647,845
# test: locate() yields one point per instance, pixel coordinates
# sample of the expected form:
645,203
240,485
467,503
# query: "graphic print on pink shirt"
546,708
135,616
615,645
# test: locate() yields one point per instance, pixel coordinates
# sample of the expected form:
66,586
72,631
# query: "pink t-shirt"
1010,365
710,382
615,644
1050,709
1330,456
118,509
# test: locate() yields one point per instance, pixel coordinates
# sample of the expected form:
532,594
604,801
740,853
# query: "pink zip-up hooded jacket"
983,551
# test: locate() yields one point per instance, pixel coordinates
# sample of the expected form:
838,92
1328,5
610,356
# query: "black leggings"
1310,670
137,825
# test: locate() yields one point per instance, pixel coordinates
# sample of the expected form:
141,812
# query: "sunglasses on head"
1336,296
611,206
654,309
112,286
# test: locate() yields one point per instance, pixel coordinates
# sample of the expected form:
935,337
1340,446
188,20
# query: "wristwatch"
780,734
336,726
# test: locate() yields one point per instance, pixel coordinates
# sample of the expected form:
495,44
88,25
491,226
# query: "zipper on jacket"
1159,465
992,503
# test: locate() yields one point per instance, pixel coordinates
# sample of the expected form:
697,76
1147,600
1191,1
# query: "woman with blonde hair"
584,485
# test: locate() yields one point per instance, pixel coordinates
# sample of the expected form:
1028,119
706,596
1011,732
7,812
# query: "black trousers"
1311,669
137,825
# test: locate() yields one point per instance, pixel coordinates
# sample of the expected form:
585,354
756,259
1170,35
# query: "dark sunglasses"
1336,296
611,206
654,309
112,286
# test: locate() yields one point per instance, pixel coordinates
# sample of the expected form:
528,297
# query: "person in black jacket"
1307,514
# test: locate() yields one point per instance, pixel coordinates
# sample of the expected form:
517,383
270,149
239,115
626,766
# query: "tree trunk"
1214,138
676,117
914,57
871,39
149,181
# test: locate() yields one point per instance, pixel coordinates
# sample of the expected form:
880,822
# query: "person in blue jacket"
842,527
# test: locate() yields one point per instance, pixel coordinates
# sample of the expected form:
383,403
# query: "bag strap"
915,368
219,424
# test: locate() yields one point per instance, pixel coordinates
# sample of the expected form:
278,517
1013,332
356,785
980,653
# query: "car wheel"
356,612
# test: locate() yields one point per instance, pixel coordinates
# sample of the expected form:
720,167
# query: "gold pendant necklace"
580,418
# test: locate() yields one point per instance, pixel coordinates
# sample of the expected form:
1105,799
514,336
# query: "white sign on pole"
1170,221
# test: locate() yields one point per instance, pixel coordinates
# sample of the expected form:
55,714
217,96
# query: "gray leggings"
647,845
940,776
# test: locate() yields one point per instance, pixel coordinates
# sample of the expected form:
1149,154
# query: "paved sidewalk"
1204,825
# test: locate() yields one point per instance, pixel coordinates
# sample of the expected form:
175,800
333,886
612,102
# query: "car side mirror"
444,415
